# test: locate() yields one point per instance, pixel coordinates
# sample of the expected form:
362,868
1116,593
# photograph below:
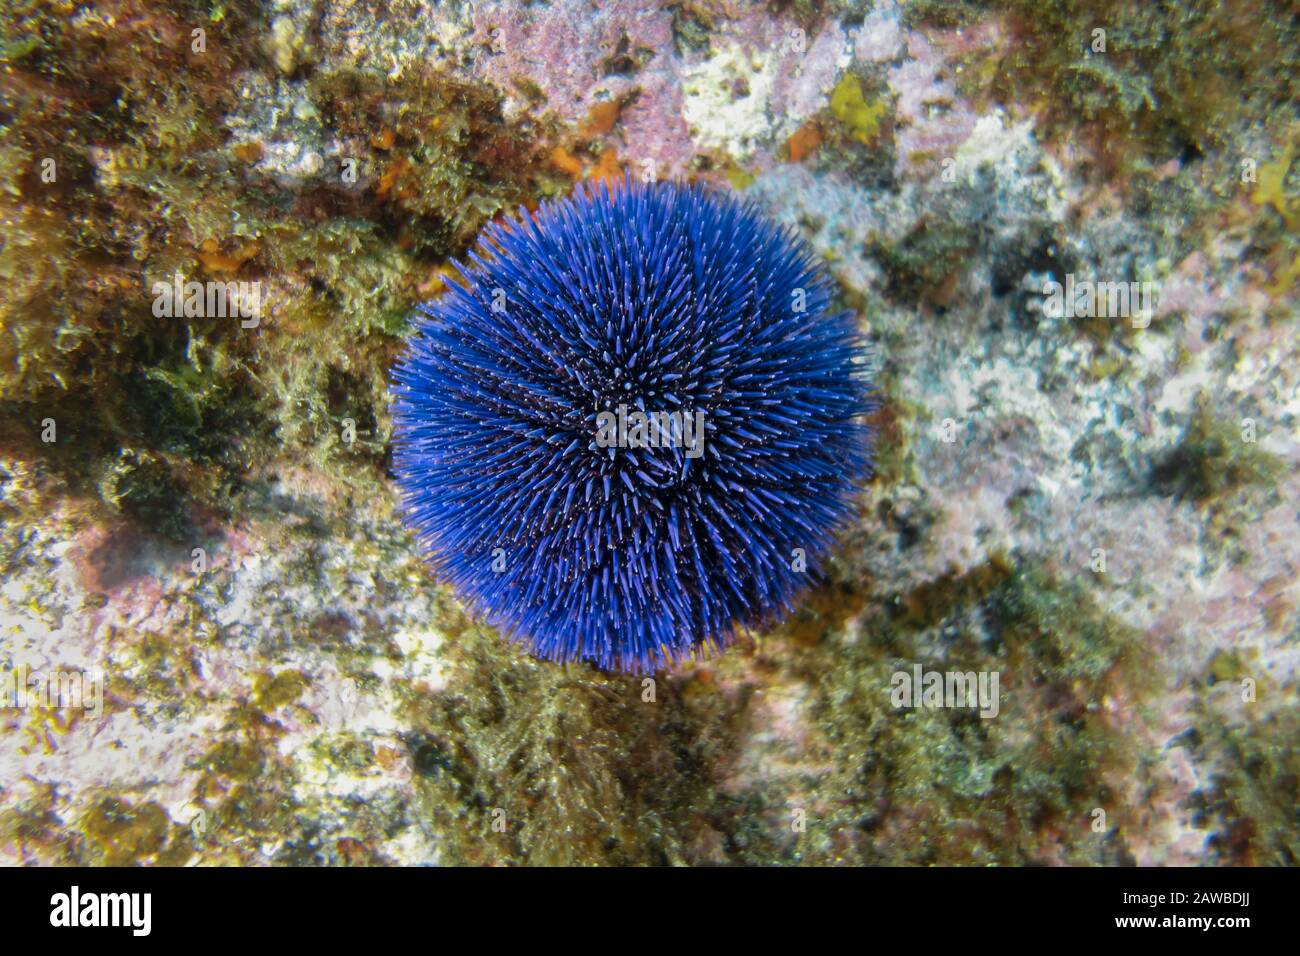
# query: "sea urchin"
636,426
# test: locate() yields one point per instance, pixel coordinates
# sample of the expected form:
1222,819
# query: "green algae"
143,489
112,831
1211,460
942,786
925,262
245,792
823,611
948,14
162,416
1173,79
692,24
576,768
536,763
32,826
123,833
521,761
272,691
1248,806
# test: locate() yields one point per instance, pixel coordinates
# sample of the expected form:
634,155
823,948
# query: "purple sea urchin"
636,426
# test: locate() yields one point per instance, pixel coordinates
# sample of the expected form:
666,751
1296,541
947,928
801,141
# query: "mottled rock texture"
200,550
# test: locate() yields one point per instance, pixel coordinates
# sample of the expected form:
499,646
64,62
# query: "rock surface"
236,652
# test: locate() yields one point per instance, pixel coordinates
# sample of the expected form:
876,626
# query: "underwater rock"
234,651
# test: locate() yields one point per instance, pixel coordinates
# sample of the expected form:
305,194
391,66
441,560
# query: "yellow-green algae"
521,761
1172,79
1212,459
580,769
851,108
158,415
527,761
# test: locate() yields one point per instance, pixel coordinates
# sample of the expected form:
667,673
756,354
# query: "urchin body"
636,426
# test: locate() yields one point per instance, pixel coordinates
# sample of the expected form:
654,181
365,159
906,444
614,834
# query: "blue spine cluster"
658,298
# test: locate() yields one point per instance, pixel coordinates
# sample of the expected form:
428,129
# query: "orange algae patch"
389,177
248,152
214,260
804,141
601,119
608,168
438,280
565,161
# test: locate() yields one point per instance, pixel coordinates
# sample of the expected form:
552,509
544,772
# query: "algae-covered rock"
1059,629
